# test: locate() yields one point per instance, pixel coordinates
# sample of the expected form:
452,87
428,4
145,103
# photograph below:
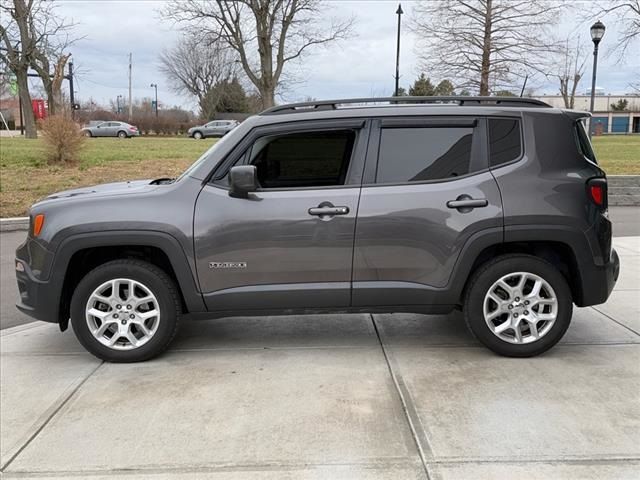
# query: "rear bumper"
598,281
38,299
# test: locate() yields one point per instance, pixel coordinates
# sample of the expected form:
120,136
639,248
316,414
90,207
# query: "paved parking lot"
337,397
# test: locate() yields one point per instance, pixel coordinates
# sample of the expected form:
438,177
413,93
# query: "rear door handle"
465,203
328,211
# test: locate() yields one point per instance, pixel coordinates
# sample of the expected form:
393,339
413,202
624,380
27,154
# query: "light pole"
597,32
118,103
399,12
155,85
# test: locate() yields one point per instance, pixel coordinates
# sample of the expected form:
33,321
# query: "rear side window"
505,143
584,145
310,159
423,154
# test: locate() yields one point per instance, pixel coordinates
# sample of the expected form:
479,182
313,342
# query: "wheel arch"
564,247
79,254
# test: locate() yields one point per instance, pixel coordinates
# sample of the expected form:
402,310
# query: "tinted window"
584,145
421,154
504,140
309,159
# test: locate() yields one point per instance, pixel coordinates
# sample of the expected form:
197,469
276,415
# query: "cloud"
361,66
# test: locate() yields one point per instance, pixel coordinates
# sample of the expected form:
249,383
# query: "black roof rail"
333,104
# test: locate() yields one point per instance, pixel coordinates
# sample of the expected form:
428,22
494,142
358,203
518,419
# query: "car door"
210,129
290,244
101,130
427,192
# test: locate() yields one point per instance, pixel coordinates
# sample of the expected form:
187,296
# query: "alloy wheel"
122,314
520,307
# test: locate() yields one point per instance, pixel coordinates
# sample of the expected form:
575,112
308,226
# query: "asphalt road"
626,222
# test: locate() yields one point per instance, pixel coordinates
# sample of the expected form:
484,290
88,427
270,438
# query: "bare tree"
626,14
195,71
266,34
485,44
19,46
571,69
34,36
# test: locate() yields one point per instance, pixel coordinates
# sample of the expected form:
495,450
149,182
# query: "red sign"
39,109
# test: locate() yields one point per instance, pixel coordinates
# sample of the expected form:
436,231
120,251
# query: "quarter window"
504,140
310,159
423,154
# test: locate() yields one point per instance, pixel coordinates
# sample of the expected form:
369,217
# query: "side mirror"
243,179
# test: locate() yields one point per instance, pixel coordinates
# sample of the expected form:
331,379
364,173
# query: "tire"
531,336
87,134
162,328
122,134
198,135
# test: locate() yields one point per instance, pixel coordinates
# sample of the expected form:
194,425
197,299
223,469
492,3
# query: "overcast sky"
361,66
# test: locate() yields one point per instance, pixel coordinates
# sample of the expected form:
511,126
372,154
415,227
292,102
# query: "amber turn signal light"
38,223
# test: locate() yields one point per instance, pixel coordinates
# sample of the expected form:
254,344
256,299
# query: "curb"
14,224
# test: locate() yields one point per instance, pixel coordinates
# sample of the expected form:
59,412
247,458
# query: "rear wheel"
518,305
197,135
125,311
122,134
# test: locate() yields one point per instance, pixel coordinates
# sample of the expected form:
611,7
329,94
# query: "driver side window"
299,160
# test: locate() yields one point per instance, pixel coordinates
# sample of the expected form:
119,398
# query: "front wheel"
87,134
197,135
518,305
125,311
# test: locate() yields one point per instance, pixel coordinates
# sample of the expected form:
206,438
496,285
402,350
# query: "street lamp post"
155,85
597,32
399,12
118,103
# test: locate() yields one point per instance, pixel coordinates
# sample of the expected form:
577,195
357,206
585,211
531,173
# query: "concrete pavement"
337,397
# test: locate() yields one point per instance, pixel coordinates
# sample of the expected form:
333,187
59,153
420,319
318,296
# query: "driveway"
337,396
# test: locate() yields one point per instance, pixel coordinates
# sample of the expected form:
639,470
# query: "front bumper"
38,299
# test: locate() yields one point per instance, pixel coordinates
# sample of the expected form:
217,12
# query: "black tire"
122,134
483,279
87,133
198,135
152,277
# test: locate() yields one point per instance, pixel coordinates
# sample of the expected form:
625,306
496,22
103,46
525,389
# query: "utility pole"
71,92
155,85
130,99
399,12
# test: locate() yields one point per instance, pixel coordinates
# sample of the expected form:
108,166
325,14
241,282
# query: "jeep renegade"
496,206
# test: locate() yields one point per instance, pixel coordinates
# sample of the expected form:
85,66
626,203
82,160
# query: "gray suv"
216,128
495,206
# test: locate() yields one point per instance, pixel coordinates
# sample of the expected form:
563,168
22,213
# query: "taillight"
133,129
597,191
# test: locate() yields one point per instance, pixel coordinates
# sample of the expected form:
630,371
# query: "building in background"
606,118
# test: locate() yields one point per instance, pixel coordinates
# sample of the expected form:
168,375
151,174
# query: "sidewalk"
337,397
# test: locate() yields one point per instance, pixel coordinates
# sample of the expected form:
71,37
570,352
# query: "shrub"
62,138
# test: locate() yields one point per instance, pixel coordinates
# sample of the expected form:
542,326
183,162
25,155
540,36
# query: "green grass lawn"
618,154
25,176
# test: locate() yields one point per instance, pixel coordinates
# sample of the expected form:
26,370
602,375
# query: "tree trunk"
267,95
486,51
27,110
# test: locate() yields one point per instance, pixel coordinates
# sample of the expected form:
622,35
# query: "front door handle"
465,203
328,211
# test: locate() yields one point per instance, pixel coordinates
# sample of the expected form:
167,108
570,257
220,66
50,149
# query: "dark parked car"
111,129
496,206
216,128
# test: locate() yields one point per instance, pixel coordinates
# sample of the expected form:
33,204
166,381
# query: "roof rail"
333,104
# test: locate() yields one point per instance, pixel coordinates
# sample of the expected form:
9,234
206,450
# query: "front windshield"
204,156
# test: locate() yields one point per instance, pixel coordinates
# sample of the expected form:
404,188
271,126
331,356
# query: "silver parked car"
111,129
215,128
